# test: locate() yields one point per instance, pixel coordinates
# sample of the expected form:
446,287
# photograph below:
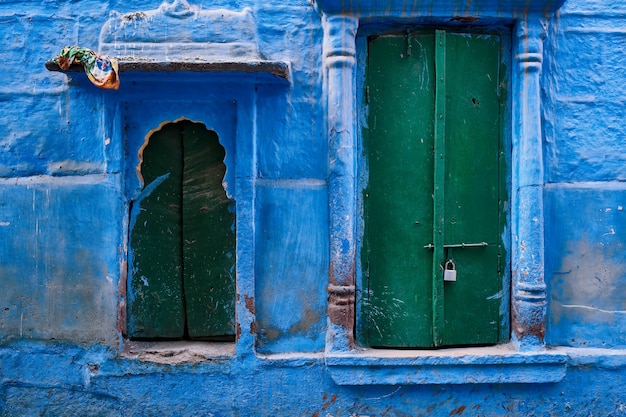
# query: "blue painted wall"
68,157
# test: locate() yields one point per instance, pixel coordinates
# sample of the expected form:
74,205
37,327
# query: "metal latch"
460,245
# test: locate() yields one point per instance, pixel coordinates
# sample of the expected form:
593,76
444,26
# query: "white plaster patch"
220,34
591,308
74,166
610,232
176,353
5,224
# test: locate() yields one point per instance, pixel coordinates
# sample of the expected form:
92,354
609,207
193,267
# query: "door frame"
361,281
525,231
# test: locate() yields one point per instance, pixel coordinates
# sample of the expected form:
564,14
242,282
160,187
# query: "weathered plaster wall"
585,173
59,281
69,381
67,156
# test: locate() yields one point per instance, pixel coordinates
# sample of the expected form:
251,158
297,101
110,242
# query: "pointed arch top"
150,135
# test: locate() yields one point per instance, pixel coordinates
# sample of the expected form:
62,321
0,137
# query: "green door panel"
209,236
472,139
156,279
398,201
472,303
414,206
182,278
472,189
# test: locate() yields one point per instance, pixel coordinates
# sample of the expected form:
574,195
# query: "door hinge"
499,264
367,94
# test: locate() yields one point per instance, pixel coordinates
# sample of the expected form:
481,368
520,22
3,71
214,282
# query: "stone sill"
595,357
177,353
278,69
495,364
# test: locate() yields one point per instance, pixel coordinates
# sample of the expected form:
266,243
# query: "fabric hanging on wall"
101,70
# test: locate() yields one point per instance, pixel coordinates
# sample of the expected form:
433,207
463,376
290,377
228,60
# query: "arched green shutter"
182,241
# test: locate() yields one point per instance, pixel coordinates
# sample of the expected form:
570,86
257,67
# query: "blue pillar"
339,61
527,260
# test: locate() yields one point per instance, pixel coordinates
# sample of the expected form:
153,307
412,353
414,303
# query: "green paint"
398,206
473,189
183,239
439,196
157,309
209,237
433,146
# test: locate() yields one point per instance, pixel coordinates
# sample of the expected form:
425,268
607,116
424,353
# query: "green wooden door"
435,191
182,280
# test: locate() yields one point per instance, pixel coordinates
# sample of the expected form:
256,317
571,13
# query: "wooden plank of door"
439,186
396,307
155,297
208,236
473,304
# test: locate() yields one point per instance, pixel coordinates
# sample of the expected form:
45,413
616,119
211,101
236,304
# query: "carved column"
339,62
529,288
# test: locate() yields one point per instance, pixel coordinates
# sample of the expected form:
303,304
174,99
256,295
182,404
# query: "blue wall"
585,173
68,157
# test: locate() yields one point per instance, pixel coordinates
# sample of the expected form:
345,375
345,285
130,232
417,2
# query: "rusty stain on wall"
457,411
249,303
341,298
532,323
311,317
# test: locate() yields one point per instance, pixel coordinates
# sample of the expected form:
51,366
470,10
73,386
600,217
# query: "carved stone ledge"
276,68
498,364
451,8
178,37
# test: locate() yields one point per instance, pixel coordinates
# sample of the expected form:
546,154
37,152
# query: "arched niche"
182,239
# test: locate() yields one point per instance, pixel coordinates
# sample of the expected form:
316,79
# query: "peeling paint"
249,303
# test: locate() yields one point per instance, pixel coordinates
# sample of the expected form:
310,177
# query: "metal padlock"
449,271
